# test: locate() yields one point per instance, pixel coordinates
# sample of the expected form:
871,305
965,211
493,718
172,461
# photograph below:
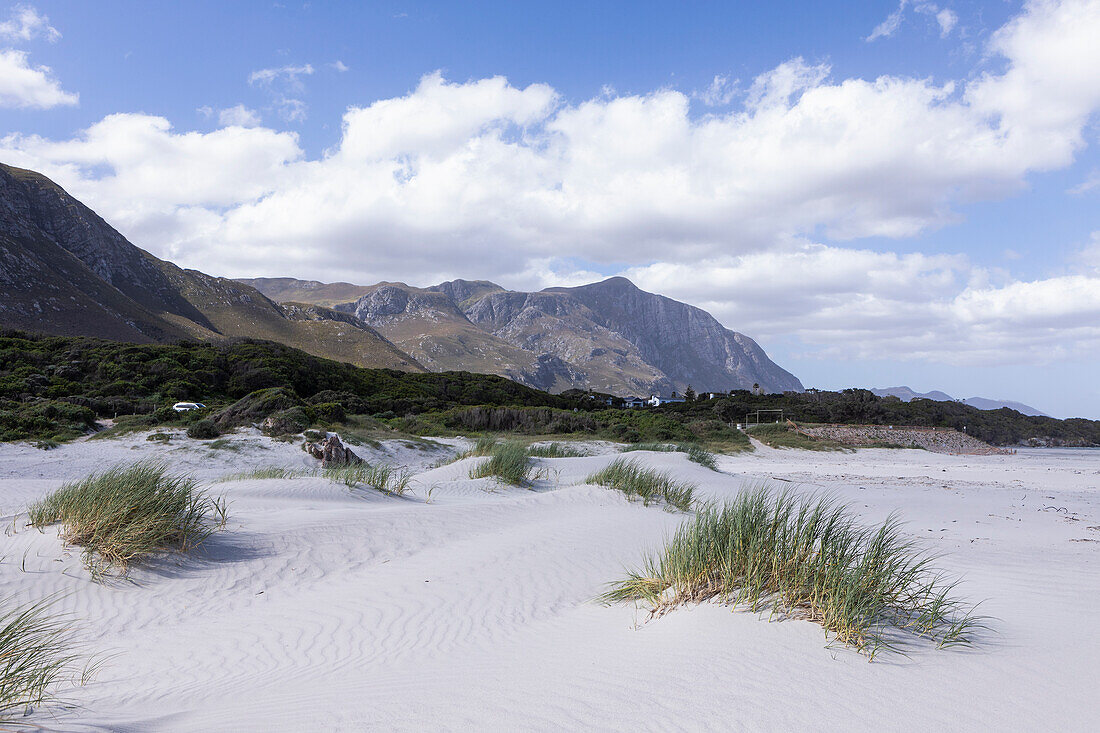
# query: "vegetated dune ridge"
320,608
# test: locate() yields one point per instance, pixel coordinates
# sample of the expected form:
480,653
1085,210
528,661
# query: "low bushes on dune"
124,514
637,481
808,558
35,654
508,462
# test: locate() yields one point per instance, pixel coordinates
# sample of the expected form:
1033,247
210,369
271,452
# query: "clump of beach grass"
808,558
508,463
695,452
553,450
379,476
265,472
483,446
35,654
637,481
127,513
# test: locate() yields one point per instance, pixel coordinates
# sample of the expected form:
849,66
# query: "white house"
658,400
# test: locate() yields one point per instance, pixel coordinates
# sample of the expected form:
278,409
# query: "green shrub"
330,412
257,406
635,480
807,558
508,463
125,514
203,430
288,422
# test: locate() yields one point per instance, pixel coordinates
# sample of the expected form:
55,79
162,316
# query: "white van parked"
187,406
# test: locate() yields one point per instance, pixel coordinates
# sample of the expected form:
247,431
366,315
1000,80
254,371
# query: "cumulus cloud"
239,115
339,66
26,24
871,305
485,178
24,86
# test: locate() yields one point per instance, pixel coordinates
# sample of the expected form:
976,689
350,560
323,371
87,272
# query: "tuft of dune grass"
553,450
806,557
508,462
483,446
265,472
637,481
379,476
695,452
126,513
35,654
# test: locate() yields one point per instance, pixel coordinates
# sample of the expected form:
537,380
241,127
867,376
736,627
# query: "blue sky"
879,193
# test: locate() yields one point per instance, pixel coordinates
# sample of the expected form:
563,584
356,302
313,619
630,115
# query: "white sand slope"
319,608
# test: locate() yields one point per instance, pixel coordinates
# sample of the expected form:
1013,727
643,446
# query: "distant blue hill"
906,394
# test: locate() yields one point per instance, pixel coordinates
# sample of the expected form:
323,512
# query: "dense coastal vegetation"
57,388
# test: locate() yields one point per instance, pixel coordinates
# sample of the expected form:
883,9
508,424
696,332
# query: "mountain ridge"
609,336
66,271
905,394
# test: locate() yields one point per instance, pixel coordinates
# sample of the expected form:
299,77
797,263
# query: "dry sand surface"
321,608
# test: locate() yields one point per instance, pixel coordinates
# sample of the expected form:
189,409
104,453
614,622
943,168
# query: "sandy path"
325,609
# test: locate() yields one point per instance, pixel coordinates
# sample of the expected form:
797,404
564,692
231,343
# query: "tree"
689,394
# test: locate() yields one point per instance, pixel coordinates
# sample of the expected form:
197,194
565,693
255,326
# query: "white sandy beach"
319,608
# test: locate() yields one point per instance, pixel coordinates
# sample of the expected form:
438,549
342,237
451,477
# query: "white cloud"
29,87
720,92
339,66
888,27
290,76
947,19
284,84
1091,182
26,24
239,115
486,179
859,304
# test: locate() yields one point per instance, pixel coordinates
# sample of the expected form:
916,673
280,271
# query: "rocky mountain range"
609,336
905,394
66,271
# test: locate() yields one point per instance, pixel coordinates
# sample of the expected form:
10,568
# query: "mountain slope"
609,336
685,343
66,271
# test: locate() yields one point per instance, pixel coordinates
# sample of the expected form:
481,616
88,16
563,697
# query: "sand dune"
321,608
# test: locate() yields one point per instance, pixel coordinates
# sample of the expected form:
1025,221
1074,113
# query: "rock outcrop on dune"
609,336
66,271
